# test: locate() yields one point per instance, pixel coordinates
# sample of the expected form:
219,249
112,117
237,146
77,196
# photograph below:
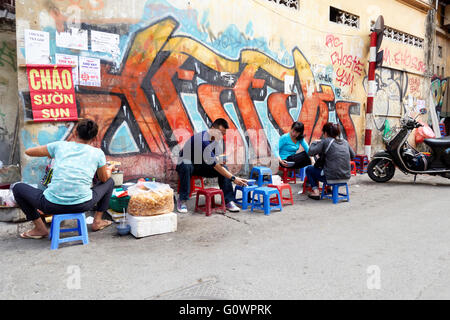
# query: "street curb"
11,229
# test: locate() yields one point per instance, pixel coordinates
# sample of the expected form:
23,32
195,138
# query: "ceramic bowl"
123,230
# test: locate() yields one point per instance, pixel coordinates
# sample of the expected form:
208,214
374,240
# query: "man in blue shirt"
198,158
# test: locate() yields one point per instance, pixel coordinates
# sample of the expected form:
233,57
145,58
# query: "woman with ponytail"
70,189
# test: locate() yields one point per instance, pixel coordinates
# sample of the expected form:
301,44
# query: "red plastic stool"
194,187
309,188
287,172
210,202
280,188
353,168
305,181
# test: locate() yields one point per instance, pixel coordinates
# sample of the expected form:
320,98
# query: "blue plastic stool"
261,172
335,195
302,174
55,229
265,204
246,195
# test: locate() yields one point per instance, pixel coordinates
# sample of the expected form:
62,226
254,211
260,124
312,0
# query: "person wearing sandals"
335,155
198,158
70,189
289,145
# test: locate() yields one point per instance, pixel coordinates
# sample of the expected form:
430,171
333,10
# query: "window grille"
343,17
399,36
292,4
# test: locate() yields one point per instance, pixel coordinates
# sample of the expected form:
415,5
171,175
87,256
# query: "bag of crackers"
150,199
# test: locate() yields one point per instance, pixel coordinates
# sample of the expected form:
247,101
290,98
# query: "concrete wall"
183,64
8,96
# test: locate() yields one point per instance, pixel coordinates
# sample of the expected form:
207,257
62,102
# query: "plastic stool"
246,195
55,229
288,175
265,204
261,172
280,188
210,202
335,196
353,168
194,188
442,128
309,188
302,174
361,161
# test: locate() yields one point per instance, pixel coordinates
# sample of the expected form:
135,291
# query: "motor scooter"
400,154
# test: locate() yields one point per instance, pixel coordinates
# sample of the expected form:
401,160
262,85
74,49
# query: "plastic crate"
118,204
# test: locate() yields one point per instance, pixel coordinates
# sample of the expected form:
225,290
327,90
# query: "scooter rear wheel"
381,170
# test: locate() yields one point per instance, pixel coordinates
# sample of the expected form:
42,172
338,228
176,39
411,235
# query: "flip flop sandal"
314,197
25,235
102,227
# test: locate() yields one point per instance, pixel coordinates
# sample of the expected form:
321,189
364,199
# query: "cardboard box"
116,216
152,225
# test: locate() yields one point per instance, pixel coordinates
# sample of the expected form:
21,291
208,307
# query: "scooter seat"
438,143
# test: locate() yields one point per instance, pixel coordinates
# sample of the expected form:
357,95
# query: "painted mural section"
178,70
8,97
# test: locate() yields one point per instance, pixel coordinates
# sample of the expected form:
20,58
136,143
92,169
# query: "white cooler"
149,226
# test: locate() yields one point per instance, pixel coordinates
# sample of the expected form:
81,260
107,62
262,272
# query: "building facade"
176,65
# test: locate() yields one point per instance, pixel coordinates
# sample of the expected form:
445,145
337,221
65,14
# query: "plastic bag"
7,198
150,199
276,180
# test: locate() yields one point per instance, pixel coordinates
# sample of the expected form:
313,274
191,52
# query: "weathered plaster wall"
185,63
8,96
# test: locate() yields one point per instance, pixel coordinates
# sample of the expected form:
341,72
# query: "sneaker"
232,207
181,206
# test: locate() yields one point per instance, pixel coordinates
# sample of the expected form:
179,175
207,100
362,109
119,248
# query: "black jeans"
301,160
30,199
186,171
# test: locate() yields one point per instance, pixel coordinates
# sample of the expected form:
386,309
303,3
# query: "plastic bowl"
290,163
123,230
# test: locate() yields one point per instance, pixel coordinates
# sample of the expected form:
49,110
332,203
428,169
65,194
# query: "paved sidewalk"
312,250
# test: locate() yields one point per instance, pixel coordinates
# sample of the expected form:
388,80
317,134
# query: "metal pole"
371,94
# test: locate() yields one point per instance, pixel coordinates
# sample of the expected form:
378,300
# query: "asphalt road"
391,241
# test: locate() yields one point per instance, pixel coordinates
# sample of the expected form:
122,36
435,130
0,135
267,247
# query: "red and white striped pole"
370,95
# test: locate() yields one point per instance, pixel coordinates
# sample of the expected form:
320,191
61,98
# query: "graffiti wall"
398,92
8,96
178,69
439,87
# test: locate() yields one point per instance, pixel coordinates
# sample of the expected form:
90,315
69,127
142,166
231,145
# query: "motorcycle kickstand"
415,178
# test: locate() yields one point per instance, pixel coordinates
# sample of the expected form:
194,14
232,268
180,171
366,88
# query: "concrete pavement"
393,238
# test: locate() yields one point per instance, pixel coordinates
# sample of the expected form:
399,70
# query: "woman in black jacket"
337,155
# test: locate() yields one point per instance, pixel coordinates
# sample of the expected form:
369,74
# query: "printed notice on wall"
90,72
37,47
105,42
69,60
52,93
74,39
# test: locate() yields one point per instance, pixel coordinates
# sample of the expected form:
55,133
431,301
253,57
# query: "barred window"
293,4
343,17
399,36
439,51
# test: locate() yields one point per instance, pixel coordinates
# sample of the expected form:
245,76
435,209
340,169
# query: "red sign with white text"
52,93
